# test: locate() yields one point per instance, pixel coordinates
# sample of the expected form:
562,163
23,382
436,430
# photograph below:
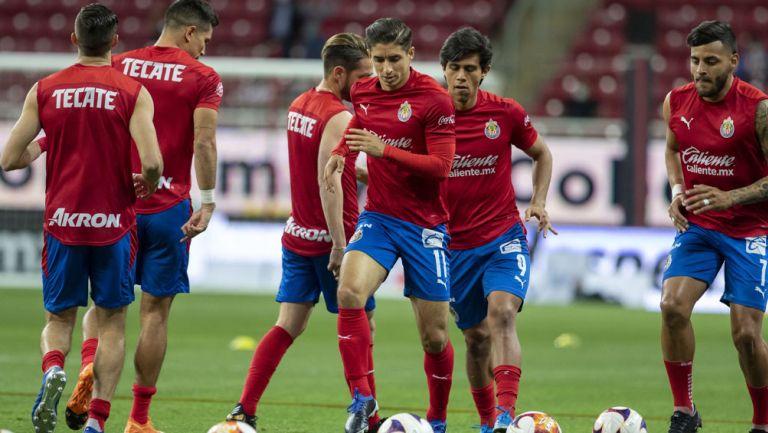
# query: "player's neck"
326,86
720,96
167,40
105,60
461,105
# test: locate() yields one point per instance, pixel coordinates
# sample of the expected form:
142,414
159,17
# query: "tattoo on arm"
758,191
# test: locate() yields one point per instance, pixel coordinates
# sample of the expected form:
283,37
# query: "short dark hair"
184,13
465,42
345,50
711,31
387,31
95,26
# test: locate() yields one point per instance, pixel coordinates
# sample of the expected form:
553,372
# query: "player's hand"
334,165
143,188
361,174
676,209
198,222
334,261
362,140
703,198
538,212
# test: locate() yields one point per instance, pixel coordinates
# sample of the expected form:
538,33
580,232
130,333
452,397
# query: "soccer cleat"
135,427
92,426
374,428
438,426
46,405
359,411
683,423
238,414
77,406
503,420
486,429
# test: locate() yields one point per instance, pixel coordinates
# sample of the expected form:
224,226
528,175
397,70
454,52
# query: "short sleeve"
523,132
211,92
440,119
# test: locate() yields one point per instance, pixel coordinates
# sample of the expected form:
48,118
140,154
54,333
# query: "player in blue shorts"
403,121
717,165
490,264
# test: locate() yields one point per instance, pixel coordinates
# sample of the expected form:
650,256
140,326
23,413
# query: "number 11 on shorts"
441,265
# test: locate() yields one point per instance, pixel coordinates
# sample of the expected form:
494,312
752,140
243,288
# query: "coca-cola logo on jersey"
693,155
402,142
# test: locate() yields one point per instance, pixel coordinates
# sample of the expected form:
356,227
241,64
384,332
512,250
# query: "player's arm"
674,173
205,121
333,204
143,133
16,151
335,162
542,175
31,153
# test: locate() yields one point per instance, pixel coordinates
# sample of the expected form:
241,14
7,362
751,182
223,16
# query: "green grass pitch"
617,363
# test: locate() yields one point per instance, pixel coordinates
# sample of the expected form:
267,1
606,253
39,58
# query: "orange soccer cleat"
77,406
135,427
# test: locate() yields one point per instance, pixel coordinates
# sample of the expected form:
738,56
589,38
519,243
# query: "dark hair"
184,13
711,31
465,42
95,26
345,50
387,31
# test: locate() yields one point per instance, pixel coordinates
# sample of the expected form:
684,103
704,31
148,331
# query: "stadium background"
593,74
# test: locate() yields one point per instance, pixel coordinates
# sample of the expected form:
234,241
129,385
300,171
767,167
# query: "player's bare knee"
746,339
502,316
350,296
434,340
674,313
478,342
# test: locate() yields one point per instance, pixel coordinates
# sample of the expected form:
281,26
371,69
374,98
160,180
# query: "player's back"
307,232
85,112
178,84
406,118
719,147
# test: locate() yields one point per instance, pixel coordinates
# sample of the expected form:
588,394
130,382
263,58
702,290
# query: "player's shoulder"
426,82
508,104
684,90
318,103
749,91
136,53
362,85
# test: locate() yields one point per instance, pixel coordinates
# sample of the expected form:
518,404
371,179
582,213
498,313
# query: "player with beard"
717,165
313,245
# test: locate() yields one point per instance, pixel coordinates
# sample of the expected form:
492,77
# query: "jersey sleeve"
211,92
42,142
524,134
342,149
440,137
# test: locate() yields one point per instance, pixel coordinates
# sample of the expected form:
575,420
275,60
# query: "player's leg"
432,323
65,287
469,308
111,274
161,271
77,405
691,267
746,266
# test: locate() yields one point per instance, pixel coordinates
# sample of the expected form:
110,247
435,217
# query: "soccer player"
490,265
717,165
187,95
403,121
90,113
312,245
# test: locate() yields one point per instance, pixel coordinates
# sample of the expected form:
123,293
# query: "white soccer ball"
405,423
231,427
619,419
534,422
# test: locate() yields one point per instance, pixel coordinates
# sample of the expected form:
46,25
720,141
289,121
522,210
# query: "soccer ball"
405,423
231,427
619,420
534,422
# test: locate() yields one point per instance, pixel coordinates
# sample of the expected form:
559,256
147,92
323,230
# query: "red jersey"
178,84
306,232
719,148
481,198
416,122
85,112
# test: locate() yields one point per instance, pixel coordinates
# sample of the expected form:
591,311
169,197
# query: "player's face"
197,40
392,63
711,66
463,78
364,69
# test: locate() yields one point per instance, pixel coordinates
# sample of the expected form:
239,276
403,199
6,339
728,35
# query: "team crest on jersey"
405,112
727,128
220,90
492,129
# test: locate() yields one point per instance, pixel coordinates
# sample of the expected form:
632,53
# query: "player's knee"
674,313
350,296
746,339
435,340
502,316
